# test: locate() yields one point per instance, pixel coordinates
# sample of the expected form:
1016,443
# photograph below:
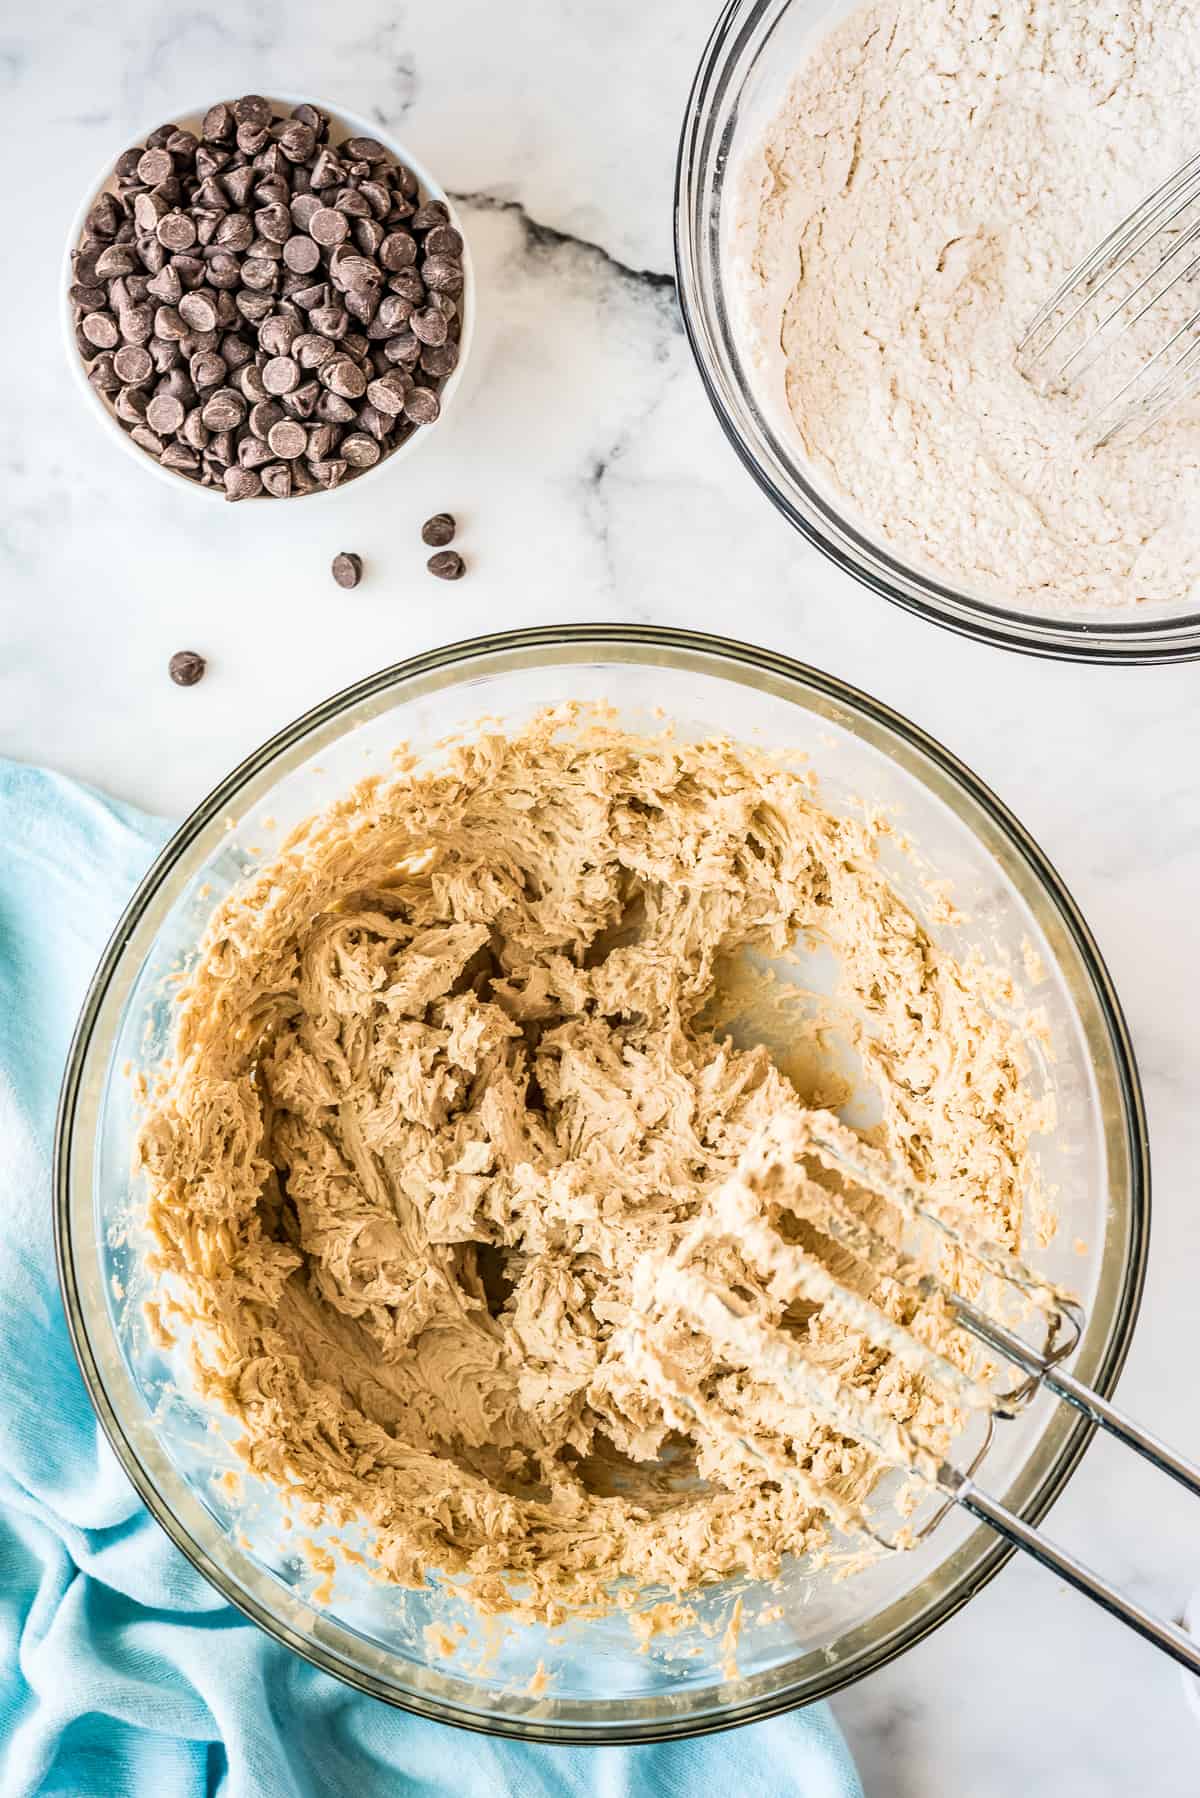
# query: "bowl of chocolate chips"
268,298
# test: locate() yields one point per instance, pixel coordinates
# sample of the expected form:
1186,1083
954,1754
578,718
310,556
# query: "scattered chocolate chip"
347,569
448,565
186,667
438,530
265,311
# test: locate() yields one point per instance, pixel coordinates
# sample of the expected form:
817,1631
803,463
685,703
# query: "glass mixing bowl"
600,1687
747,65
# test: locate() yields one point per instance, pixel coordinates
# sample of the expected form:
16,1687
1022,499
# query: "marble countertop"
592,482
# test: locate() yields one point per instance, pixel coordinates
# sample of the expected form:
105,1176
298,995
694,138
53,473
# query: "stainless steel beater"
679,1291
1139,278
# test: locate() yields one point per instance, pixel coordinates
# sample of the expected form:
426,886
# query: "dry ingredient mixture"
445,1077
937,168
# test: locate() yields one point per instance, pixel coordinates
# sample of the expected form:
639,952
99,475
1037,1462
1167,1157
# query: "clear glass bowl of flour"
595,1680
748,65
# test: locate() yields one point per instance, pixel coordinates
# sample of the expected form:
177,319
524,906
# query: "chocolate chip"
166,286
438,530
326,171
404,348
199,311
277,479
155,166
330,473
264,414
330,321
207,369
281,374
301,253
235,232
344,378
103,374
87,299
186,667
147,439
176,231
241,483
287,439
252,452
169,324
421,406
137,323
432,214
100,329
440,360
218,123
429,326
252,109
224,410
364,149
258,273
441,274
360,450
309,115
386,393
448,565
117,259
179,457
165,414
398,250
302,400
297,140
327,226
333,409
106,215
274,222
444,240
347,569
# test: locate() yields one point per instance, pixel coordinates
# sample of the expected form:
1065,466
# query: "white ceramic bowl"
342,124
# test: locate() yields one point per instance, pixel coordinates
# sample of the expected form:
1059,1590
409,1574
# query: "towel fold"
122,1673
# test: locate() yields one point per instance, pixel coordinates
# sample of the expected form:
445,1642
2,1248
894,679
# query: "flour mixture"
446,1073
937,168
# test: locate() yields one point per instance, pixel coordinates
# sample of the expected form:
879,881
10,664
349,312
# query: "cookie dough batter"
445,1076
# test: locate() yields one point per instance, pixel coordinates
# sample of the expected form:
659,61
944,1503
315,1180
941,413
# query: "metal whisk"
683,1290
1130,311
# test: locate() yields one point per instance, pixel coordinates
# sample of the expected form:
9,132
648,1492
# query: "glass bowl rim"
1169,638
461,656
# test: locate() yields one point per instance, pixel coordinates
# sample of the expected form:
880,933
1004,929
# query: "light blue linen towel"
122,1673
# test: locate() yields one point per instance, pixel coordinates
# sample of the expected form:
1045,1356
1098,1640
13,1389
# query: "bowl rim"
357,126
1131,1121
1172,637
